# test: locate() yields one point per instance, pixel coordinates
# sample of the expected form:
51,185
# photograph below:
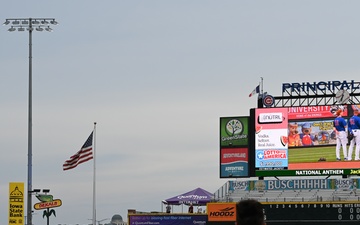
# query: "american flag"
83,155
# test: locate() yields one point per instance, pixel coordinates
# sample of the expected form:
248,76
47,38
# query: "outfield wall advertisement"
172,219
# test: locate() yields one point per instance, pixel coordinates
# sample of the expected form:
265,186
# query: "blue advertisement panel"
173,219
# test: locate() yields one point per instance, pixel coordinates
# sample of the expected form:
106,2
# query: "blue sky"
156,76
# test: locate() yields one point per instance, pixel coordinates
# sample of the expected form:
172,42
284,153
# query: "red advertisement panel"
314,112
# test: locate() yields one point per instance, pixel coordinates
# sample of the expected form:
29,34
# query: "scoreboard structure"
293,136
306,213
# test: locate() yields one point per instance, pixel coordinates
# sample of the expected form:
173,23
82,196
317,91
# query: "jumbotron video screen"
300,141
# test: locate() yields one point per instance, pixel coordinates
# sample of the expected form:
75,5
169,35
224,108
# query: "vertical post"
94,179
48,216
261,95
29,187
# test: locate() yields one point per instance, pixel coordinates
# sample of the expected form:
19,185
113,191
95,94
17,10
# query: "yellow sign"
45,205
16,203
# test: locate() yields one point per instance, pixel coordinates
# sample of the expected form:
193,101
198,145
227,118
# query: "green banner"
234,131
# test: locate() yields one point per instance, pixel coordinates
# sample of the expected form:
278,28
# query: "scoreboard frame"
312,212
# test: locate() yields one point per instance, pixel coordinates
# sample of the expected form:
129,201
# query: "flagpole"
94,186
262,87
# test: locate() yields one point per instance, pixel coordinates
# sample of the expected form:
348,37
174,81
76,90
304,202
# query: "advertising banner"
234,131
234,162
16,203
221,211
172,219
314,112
294,184
271,138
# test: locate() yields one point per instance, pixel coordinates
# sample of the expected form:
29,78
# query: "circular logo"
234,127
268,100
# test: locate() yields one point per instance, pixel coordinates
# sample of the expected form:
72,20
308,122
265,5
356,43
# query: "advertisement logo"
268,100
238,185
46,201
234,127
270,117
221,211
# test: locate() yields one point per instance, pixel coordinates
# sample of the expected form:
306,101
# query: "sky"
155,76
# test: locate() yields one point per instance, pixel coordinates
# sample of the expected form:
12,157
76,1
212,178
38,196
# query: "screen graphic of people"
354,130
307,139
294,136
341,136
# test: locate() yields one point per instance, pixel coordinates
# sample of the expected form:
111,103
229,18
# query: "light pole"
39,24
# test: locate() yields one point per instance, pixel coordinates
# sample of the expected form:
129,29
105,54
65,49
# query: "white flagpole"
94,186
262,88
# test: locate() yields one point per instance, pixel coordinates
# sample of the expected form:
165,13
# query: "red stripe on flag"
83,155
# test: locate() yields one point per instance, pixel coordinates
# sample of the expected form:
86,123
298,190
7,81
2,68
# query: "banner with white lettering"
234,162
295,184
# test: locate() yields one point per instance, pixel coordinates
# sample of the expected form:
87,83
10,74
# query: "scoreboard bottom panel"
307,212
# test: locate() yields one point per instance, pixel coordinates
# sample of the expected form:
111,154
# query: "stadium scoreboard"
312,211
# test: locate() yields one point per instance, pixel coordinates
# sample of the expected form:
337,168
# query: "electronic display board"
310,143
234,147
234,131
271,137
312,212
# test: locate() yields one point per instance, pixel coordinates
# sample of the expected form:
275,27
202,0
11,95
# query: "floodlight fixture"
6,22
11,29
16,22
21,29
39,29
25,22
46,190
48,29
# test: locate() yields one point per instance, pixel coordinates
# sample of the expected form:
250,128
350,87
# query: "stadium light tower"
29,24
